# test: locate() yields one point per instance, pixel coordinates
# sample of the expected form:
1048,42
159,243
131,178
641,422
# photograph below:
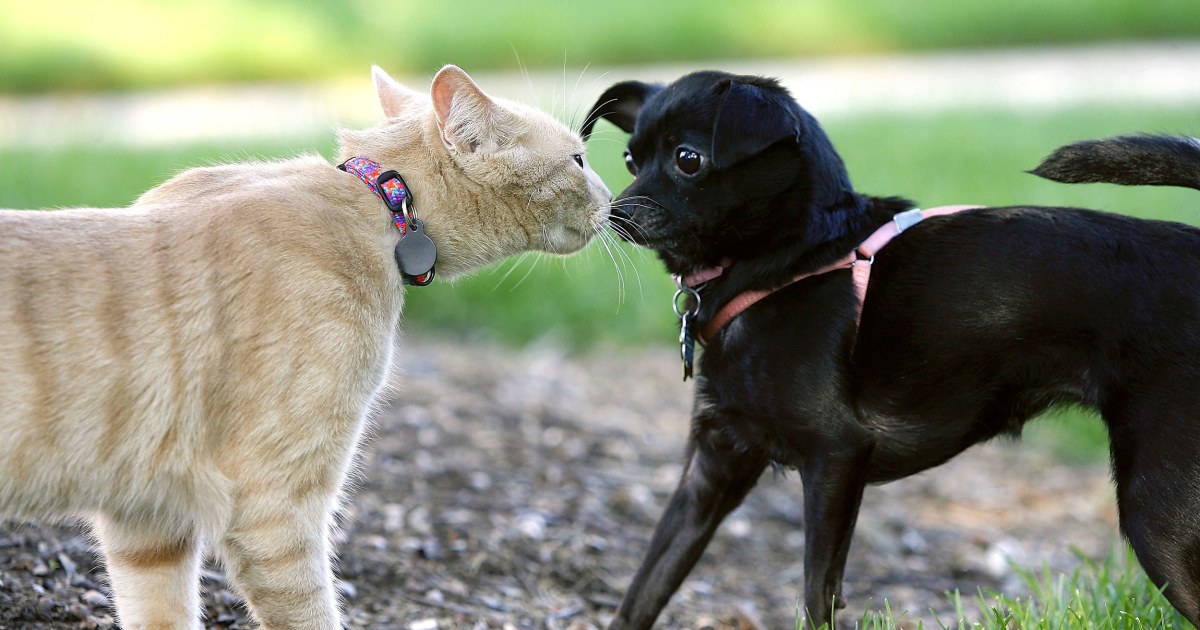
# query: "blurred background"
939,102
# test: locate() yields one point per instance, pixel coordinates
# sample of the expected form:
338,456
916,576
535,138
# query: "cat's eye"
630,164
578,157
688,160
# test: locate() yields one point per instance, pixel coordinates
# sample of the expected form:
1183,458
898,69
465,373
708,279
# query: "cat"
194,371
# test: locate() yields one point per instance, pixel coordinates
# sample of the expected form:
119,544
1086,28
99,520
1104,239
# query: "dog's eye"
630,164
578,157
688,160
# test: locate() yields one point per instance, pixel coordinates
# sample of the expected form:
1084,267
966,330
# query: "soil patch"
506,489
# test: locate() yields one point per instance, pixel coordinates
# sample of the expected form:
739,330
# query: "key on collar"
687,345
685,313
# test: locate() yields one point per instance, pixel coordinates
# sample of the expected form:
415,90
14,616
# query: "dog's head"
725,167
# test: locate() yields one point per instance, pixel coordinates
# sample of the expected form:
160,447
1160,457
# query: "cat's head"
507,177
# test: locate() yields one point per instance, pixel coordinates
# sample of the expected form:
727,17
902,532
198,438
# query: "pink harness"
858,261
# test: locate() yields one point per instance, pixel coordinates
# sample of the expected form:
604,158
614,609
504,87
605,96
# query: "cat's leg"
276,552
155,578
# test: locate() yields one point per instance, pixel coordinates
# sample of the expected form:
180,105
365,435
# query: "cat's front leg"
277,554
154,577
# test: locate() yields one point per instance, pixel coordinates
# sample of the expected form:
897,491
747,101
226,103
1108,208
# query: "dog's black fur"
973,323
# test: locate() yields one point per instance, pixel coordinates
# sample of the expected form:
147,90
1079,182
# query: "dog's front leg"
833,487
715,481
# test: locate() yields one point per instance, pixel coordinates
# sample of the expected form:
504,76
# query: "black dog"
973,323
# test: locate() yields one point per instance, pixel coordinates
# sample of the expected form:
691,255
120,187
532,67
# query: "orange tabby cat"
196,369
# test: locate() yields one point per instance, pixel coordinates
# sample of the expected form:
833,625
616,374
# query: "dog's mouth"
641,221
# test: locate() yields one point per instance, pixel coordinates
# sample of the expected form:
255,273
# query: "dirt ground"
508,489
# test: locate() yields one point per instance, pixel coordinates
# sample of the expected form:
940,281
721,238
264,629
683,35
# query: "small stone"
431,549
94,598
531,525
78,611
46,606
424,624
479,480
67,563
228,598
738,527
393,517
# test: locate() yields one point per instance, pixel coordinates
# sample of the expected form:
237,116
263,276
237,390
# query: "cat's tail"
1150,160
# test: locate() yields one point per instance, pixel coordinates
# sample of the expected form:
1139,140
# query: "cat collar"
415,252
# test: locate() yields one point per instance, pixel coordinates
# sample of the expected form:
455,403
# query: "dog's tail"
1150,160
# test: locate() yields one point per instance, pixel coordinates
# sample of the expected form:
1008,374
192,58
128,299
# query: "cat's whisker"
608,237
592,114
537,257
615,141
641,252
512,266
578,107
525,73
603,237
630,222
566,103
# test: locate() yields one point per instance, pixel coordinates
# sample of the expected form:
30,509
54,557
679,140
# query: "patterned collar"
415,252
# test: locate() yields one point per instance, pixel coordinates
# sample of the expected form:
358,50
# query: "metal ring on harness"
685,312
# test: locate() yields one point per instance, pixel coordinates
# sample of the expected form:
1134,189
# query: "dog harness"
858,261
415,252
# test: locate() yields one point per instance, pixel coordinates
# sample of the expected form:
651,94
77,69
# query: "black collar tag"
416,254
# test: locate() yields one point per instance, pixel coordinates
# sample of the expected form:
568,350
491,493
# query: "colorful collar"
859,261
415,252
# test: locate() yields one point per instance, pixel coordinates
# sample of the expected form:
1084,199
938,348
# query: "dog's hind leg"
716,479
1156,463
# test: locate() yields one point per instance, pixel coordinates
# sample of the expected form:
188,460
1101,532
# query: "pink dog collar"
859,261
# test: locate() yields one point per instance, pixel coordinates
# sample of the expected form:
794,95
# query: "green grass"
1108,595
73,44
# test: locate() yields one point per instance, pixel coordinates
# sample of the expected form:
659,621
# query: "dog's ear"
468,119
393,97
750,118
620,104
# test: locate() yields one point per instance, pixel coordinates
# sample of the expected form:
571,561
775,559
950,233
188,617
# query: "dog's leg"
833,487
1157,477
715,481
155,578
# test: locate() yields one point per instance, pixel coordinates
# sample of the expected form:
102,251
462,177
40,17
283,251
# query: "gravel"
518,489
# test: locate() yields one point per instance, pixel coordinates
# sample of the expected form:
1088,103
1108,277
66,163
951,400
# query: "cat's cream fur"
195,370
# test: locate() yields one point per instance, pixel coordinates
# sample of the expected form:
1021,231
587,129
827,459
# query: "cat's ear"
393,97
468,119
620,105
